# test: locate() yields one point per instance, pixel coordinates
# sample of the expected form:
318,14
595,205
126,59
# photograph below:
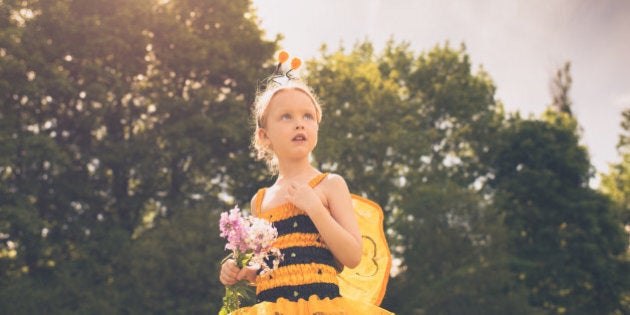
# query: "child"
318,232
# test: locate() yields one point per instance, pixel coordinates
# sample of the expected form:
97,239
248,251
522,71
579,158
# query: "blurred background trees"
125,132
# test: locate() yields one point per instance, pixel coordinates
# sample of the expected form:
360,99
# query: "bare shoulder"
337,192
340,201
335,181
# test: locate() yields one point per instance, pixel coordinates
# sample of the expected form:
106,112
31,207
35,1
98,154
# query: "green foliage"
564,239
616,183
125,131
404,119
173,268
114,117
408,131
559,112
457,264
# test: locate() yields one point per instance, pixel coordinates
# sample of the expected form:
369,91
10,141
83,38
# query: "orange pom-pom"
283,56
296,63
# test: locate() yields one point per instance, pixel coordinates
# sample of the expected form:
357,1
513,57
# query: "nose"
299,125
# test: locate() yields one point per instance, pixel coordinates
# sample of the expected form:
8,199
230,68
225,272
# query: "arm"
339,227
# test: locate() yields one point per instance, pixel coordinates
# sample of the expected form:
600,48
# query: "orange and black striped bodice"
308,267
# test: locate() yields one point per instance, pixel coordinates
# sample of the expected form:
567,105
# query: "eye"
285,117
308,117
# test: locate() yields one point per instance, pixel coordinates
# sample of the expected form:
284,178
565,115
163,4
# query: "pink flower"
249,236
233,227
261,236
251,241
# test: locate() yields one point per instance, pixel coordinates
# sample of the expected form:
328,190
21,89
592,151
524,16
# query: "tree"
408,131
616,183
455,255
117,115
406,119
559,112
209,56
173,267
560,87
565,242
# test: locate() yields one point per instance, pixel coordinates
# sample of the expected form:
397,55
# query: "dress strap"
317,179
257,206
260,195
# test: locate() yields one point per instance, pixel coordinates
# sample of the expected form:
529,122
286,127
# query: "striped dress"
306,280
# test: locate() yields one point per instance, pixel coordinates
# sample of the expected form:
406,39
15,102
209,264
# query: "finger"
228,282
232,272
228,273
230,263
241,274
224,280
231,267
227,279
226,269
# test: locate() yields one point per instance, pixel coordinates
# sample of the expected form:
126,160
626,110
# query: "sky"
521,44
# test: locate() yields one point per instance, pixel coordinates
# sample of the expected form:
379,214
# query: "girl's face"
291,125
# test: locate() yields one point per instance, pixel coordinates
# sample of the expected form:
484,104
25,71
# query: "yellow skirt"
314,306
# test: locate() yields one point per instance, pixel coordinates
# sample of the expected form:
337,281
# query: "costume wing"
368,281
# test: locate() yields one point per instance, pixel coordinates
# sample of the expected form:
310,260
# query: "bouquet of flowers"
250,239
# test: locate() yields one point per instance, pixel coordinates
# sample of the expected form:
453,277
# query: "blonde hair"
259,116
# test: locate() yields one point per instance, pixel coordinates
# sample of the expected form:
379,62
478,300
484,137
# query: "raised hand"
304,197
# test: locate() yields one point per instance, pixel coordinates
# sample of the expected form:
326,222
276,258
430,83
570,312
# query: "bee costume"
307,281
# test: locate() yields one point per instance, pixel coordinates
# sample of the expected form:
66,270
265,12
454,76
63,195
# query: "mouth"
299,137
